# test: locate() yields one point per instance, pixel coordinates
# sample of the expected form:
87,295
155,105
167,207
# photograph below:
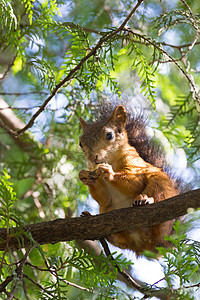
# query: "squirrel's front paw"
143,200
87,177
105,171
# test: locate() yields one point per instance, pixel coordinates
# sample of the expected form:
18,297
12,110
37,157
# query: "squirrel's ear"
119,116
83,123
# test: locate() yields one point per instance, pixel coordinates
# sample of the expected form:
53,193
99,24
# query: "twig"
129,278
19,272
35,283
71,25
19,269
36,267
148,40
11,294
190,45
78,66
195,27
102,33
54,273
5,283
23,93
179,46
192,286
29,108
148,291
34,195
25,290
76,286
65,281
13,133
8,68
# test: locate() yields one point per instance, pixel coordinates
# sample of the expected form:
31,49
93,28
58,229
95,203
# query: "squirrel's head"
101,141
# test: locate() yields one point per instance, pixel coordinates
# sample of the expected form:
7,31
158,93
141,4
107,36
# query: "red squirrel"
119,177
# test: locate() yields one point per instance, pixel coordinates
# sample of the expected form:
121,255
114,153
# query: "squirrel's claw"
85,214
143,200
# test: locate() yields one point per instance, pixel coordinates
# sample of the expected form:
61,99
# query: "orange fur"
118,176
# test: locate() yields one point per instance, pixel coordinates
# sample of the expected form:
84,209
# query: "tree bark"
96,227
9,118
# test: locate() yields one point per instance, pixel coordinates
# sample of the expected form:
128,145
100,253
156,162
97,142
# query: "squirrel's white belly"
118,199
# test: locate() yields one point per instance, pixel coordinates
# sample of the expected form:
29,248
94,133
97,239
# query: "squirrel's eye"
80,144
109,136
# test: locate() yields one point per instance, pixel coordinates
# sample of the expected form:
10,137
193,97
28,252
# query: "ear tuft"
83,123
119,116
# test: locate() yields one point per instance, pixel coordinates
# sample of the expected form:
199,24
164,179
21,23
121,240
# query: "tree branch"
9,119
195,25
102,33
96,227
5,283
171,59
11,123
2,76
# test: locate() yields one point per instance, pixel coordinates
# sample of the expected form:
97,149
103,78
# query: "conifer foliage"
58,60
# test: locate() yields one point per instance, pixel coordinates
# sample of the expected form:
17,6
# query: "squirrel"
118,177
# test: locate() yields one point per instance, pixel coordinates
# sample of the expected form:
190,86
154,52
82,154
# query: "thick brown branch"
96,227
